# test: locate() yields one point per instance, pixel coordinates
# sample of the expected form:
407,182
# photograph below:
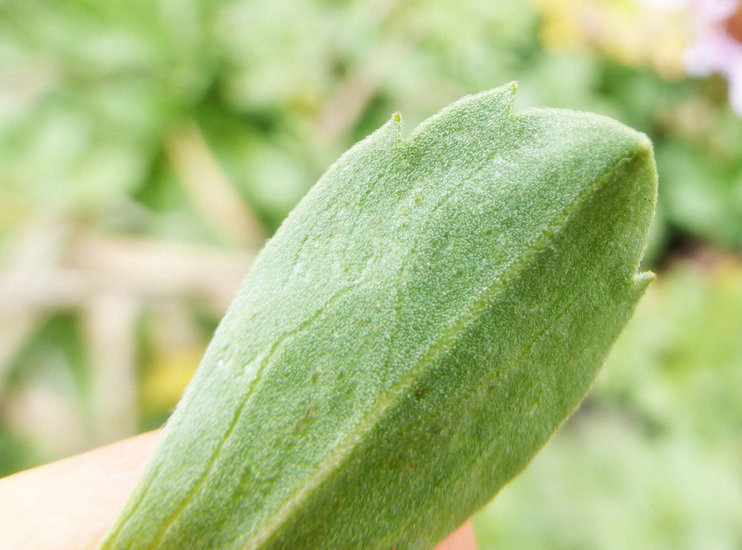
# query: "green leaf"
419,326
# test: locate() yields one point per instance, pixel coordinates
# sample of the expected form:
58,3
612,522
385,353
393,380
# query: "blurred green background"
148,148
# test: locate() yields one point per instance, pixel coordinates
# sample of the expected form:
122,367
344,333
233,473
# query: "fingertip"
461,539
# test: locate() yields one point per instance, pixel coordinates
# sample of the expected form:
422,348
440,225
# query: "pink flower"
717,43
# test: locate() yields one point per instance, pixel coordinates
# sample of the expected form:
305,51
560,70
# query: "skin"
69,504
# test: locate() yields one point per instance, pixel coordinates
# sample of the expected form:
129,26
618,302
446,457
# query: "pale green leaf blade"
416,330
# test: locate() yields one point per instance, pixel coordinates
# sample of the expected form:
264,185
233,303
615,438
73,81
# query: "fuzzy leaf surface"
416,330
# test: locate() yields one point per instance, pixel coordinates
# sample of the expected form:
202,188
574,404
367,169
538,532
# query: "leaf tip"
498,101
473,113
396,126
642,280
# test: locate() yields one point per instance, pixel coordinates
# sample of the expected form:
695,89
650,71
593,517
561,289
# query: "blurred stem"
33,252
94,265
209,189
354,93
110,324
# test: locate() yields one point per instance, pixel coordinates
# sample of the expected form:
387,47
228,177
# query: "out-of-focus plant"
717,43
656,47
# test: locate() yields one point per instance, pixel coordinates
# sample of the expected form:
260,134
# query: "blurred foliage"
148,148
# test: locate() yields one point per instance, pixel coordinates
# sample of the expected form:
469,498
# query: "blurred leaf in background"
149,148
